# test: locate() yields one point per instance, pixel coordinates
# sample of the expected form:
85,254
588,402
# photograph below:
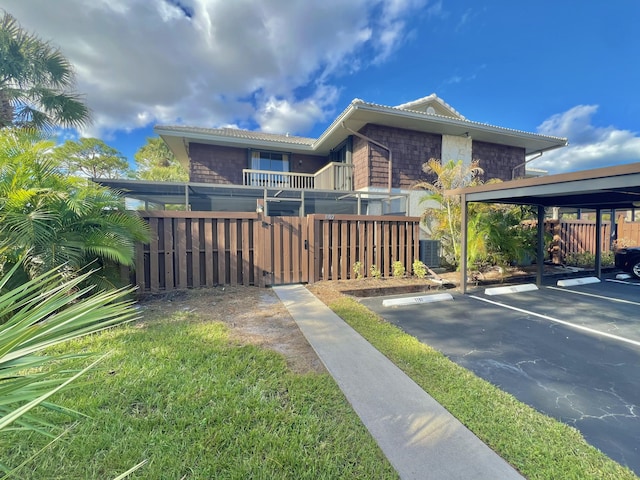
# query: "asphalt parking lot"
570,352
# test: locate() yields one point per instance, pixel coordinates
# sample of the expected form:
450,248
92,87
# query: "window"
274,162
267,162
342,153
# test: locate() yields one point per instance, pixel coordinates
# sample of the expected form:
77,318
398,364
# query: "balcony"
333,176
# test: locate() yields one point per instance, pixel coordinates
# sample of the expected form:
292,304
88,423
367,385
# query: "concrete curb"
525,287
395,302
570,282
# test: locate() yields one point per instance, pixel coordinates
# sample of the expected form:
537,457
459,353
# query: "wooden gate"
284,247
205,249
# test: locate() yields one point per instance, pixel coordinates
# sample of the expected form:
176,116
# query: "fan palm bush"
496,234
35,316
60,221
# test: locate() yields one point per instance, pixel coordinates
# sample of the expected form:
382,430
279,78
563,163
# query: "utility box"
430,253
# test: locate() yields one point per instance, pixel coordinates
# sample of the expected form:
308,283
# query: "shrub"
375,271
41,313
588,259
398,269
357,269
419,269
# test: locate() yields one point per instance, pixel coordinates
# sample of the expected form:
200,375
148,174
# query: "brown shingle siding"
410,150
300,163
216,164
360,158
498,161
224,165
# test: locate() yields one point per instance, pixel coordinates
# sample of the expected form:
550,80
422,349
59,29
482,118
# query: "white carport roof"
603,188
608,188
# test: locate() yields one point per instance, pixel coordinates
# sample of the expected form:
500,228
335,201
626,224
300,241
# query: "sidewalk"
420,438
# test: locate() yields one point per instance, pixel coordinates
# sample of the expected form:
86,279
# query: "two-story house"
365,162
265,208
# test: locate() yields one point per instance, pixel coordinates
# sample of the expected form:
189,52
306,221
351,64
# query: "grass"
179,393
537,445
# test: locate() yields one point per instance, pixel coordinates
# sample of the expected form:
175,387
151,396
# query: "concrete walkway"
420,438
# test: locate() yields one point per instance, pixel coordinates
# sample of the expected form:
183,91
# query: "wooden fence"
204,249
579,236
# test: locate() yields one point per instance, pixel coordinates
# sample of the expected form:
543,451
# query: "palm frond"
39,314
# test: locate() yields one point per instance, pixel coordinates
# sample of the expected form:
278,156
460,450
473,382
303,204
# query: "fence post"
555,248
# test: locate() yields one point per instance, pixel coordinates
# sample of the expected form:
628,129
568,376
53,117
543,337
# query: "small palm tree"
36,82
445,211
49,220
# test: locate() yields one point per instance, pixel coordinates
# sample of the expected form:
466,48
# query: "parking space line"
622,281
613,299
561,322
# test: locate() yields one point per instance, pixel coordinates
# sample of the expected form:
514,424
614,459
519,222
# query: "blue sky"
556,67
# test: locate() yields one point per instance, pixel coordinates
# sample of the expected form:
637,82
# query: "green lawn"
180,394
538,446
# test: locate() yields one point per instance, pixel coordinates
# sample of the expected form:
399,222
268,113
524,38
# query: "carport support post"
540,252
598,262
463,243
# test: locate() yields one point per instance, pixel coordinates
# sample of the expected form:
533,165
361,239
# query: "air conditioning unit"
430,253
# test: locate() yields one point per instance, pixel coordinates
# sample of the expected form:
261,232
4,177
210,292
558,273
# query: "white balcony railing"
271,179
333,176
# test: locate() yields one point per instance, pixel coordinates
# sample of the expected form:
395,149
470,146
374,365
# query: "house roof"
431,104
429,114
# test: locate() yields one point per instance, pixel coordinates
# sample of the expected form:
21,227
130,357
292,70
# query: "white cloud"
215,62
391,28
285,116
590,146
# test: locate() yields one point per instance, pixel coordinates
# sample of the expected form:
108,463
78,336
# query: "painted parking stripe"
561,322
622,281
613,299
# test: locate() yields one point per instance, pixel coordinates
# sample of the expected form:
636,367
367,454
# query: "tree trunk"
6,111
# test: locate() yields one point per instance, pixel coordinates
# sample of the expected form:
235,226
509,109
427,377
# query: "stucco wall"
456,148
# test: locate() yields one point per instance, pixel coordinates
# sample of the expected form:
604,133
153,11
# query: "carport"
608,188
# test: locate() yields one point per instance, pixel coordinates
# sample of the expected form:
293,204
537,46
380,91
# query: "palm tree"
51,227
52,221
444,212
36,82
